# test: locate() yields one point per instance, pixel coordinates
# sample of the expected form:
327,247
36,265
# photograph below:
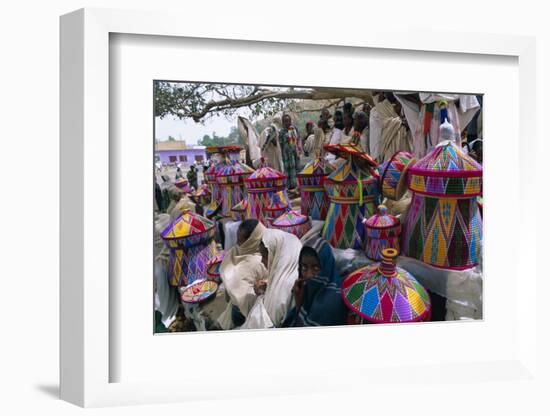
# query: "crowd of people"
274,279
392,122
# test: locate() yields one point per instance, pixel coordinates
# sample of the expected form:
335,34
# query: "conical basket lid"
381,219
446,171
317,167
289,219
354,152
265,172
384,293
187,225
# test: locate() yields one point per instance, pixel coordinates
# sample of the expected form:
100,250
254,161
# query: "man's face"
360,121
286,121
325,115
241,237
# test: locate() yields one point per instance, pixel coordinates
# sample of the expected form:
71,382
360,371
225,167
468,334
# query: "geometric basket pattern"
230,180
354,196
313,196
443,232
190,239
384,293
443,225
382,300
383,231
267,196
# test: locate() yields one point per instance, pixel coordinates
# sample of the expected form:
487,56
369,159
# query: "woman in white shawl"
280,252
240,269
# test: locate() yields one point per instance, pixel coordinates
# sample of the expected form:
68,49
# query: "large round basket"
190,239
384,293
443,224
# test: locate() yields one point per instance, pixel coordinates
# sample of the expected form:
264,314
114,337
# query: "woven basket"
190,239
354,195
292,222
314,200
230,179
384,293
393,175
198,291
443,225
383,231
266,187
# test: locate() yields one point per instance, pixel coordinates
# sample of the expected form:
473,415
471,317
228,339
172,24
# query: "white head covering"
240,268
270,309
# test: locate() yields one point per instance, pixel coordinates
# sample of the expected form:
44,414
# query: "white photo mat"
125,363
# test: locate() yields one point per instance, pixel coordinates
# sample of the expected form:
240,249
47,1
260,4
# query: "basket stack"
230,179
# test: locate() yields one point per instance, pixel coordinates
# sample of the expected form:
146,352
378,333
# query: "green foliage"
189,100
216,140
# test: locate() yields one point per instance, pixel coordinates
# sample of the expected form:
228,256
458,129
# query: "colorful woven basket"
198,291
314,199
443,224
213,267
293,222
354,195
383,231
393,175
267,195
230,179
384,293
190,239
224,155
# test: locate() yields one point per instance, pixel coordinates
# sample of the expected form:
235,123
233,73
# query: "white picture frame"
85,221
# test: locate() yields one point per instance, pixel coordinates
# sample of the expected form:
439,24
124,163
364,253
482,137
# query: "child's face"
309,267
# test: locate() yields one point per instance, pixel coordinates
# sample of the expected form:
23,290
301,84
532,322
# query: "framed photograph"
182,146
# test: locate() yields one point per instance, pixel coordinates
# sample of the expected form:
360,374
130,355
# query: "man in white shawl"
425,117
240,269
387,133
280,253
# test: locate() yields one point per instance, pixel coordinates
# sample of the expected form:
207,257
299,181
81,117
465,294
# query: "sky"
190,131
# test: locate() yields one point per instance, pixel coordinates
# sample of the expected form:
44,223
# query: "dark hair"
306,251
338,119
348,108
247,227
